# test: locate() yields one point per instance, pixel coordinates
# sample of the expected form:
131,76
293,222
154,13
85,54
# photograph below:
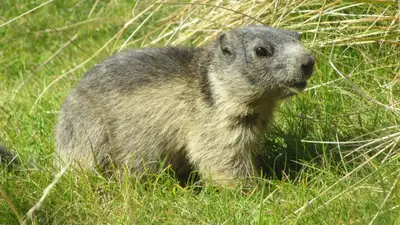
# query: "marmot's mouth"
295,88
300,85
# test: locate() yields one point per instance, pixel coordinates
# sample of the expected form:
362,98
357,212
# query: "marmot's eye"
263,52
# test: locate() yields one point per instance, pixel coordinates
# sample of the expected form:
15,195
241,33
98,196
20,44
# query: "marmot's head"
269,60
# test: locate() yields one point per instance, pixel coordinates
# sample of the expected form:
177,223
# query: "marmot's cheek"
279,67
251,79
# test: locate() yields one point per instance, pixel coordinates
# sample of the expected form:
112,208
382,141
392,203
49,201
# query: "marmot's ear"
293,33
224,45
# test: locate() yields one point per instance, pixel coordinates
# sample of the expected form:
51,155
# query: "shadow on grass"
282,155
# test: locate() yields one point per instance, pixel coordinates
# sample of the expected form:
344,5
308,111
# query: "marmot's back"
135,68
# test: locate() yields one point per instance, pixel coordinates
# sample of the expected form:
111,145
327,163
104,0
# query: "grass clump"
332,156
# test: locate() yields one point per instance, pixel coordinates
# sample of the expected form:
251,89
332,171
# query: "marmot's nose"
307,65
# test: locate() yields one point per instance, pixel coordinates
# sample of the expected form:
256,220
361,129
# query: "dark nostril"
308,65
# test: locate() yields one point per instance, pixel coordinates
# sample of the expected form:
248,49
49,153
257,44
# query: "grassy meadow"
332,156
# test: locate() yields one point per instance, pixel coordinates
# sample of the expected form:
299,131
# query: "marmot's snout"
307,65
305,68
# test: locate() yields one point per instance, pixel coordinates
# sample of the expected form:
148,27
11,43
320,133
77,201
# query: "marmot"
203,109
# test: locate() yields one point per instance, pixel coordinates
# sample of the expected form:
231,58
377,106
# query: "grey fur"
193,108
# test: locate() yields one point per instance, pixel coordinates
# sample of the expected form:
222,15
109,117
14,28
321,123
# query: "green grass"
332,156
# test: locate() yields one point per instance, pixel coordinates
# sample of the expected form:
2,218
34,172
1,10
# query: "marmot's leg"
224,164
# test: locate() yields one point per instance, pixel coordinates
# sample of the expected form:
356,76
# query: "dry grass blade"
44,63
46,191
347,191
363,93
301,209
70,26
385,200
57,52
86,61
205,4
25,13
343,20
380,213
136,30
93,8
11,205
